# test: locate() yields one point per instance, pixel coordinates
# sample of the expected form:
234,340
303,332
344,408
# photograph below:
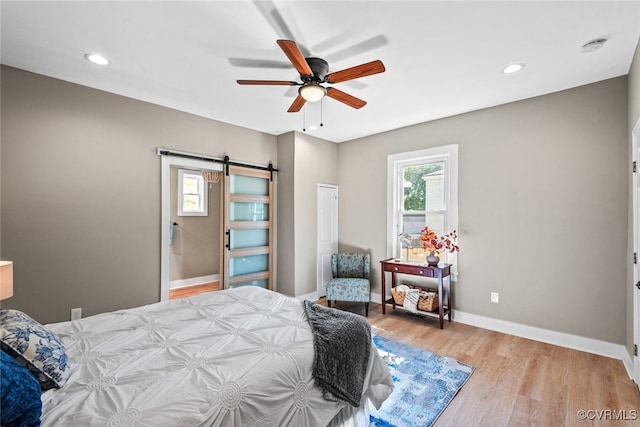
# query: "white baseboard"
627,361
313,296
175,284
590,345
375,297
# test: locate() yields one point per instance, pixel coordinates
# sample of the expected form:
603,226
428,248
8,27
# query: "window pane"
435,221
434,191
191,203
413,194
248,264
249,211
192,193
190,184
413,224
263,283
415,180
249,185
417,254
249,238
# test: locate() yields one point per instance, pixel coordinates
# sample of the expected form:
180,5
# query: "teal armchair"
350,280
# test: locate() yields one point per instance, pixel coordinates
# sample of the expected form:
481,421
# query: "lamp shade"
312,92
6,279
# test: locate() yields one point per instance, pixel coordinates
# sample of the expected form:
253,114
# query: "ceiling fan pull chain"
304,119
321,104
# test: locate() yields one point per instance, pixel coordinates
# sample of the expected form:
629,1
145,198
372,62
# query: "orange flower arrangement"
432,243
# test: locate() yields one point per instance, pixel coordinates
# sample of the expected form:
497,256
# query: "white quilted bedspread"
240,357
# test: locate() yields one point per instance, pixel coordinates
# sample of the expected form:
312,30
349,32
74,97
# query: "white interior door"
327,233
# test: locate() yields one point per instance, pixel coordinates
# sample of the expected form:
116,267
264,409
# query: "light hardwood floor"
516,382
193,290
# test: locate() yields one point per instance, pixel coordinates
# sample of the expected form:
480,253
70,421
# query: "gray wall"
286,250
542,206
80,190
543,195
308,161
316,163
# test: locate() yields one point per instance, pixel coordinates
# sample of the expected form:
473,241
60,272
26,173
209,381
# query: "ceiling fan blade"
267,82
273,16
345,98
297,104
290,48
362,70
356,49
259,63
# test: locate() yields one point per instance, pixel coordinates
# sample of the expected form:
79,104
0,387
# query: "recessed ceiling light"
594,44
96,58
513,68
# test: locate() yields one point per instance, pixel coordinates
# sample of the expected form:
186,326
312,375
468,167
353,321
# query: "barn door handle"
228,245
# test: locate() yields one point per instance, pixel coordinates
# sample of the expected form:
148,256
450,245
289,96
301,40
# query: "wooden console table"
416,269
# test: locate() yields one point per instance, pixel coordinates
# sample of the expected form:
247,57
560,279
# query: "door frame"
635,144
165,177
319,285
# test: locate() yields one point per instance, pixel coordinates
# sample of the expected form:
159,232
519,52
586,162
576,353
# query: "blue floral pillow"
35,347
21,404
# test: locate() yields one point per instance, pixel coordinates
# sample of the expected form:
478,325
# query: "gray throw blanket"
342,342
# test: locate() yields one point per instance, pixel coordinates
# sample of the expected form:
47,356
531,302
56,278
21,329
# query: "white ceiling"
442,58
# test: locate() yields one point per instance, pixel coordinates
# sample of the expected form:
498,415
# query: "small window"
192,194
423,188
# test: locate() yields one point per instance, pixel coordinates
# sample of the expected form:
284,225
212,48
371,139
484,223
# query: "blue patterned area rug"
424,384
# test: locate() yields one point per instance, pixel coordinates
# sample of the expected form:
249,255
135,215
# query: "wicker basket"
425,303
398,297
428,303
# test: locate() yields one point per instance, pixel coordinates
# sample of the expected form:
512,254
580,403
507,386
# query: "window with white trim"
192,193
422,191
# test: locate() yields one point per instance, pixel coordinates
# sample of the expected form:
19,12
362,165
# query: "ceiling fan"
314,72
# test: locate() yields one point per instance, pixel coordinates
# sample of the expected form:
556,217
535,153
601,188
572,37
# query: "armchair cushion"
345,289
351,265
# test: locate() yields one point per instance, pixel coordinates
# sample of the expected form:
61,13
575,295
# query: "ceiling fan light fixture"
312,92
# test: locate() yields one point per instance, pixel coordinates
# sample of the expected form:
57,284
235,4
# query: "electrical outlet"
76,313
495,297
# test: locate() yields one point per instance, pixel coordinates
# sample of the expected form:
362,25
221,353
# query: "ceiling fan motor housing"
320,69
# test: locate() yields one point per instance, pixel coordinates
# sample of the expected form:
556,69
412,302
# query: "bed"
238,357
